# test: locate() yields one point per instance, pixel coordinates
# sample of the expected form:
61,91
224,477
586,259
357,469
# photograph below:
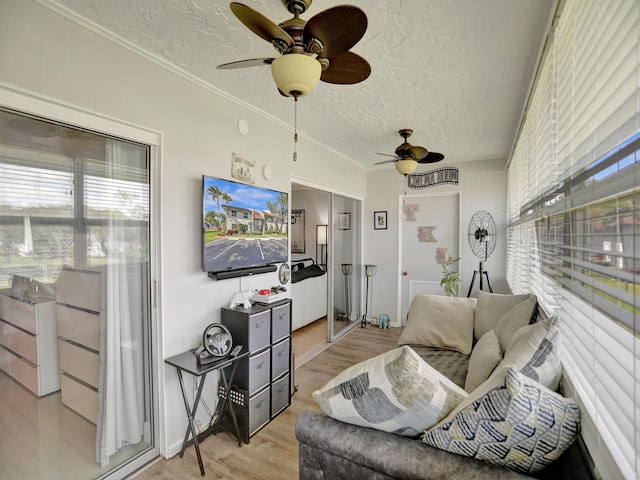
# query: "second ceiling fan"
408,156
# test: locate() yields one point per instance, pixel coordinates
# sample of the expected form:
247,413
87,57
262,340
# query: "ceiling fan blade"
418,152
260,25
432,157
387,155
347,68
253,62
338,28
386,161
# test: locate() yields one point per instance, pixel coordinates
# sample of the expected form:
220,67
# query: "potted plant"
450,277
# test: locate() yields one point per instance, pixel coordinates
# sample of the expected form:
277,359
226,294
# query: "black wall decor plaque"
440,176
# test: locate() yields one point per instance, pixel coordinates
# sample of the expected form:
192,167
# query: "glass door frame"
48,110
331,266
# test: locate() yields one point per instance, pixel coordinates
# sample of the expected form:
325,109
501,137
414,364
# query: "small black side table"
188,362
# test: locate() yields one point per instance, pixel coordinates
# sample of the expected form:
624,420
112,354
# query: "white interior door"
430,236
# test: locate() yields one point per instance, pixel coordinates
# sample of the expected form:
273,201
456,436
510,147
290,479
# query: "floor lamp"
347,268
321,243
369,272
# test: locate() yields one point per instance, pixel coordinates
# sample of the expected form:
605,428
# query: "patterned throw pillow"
394,392
515,422
439,321
534,351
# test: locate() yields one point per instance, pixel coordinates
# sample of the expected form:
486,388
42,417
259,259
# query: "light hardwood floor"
308,338
272,453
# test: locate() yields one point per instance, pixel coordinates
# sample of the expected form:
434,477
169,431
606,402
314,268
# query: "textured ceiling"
456,71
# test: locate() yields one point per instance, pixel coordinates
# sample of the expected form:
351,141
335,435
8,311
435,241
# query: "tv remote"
236,351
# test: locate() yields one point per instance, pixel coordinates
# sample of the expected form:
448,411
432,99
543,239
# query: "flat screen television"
244,228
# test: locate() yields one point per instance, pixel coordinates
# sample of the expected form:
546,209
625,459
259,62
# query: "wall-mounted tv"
244,228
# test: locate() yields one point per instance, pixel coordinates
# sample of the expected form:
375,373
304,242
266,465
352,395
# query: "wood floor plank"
272,453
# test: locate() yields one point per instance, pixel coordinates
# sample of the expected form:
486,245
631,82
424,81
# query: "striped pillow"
510,421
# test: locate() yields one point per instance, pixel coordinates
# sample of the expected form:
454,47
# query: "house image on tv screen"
243,225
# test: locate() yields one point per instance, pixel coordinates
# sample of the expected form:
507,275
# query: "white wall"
315,204
48,56
483,186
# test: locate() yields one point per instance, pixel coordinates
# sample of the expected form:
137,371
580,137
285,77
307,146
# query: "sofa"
471,392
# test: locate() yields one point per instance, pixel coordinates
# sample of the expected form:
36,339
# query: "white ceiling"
457,71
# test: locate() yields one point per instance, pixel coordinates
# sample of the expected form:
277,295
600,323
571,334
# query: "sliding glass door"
75,321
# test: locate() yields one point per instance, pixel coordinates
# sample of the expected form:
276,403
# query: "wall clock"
284,273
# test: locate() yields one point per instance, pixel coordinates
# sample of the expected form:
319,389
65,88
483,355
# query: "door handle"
405,273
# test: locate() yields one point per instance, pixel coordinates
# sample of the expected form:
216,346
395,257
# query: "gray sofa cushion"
450,363
333,450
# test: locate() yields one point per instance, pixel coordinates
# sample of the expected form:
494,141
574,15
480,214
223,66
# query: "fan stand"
480,272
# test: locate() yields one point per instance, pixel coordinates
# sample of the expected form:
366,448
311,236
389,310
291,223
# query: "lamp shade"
296,74
321,234
406,167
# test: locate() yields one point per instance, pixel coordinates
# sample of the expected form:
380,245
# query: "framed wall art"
297,231
344,221
380,220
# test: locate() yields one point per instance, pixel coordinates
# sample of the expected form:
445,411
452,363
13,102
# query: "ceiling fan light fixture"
406,167
296,74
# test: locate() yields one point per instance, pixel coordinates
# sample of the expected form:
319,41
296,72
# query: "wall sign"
441,176
243,169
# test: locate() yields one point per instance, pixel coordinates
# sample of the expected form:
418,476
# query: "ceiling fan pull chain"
295,128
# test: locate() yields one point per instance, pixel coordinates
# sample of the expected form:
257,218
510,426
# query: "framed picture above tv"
244,228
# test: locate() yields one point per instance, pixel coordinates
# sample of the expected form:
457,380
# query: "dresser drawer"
79,362
23,372
280,396
81,288
281,320
23,343
79,326
280,358
79,398
259,411
21,314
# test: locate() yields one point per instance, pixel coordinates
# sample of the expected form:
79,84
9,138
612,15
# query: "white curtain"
121,413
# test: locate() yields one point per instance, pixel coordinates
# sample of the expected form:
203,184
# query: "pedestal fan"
482,240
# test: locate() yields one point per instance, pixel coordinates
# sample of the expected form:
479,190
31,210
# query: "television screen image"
244,226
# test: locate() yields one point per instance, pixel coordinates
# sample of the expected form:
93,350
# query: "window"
573,226
55,205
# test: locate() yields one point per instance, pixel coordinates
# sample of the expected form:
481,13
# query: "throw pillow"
439,321
514,422
516,318
395,392
485,356
491,307
533,350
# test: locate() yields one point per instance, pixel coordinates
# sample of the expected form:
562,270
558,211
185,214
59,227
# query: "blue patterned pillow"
510,421
534,351
395,392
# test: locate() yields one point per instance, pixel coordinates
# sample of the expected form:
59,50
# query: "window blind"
573,208
57,209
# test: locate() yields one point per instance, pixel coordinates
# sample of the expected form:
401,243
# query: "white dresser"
28,342
79,308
